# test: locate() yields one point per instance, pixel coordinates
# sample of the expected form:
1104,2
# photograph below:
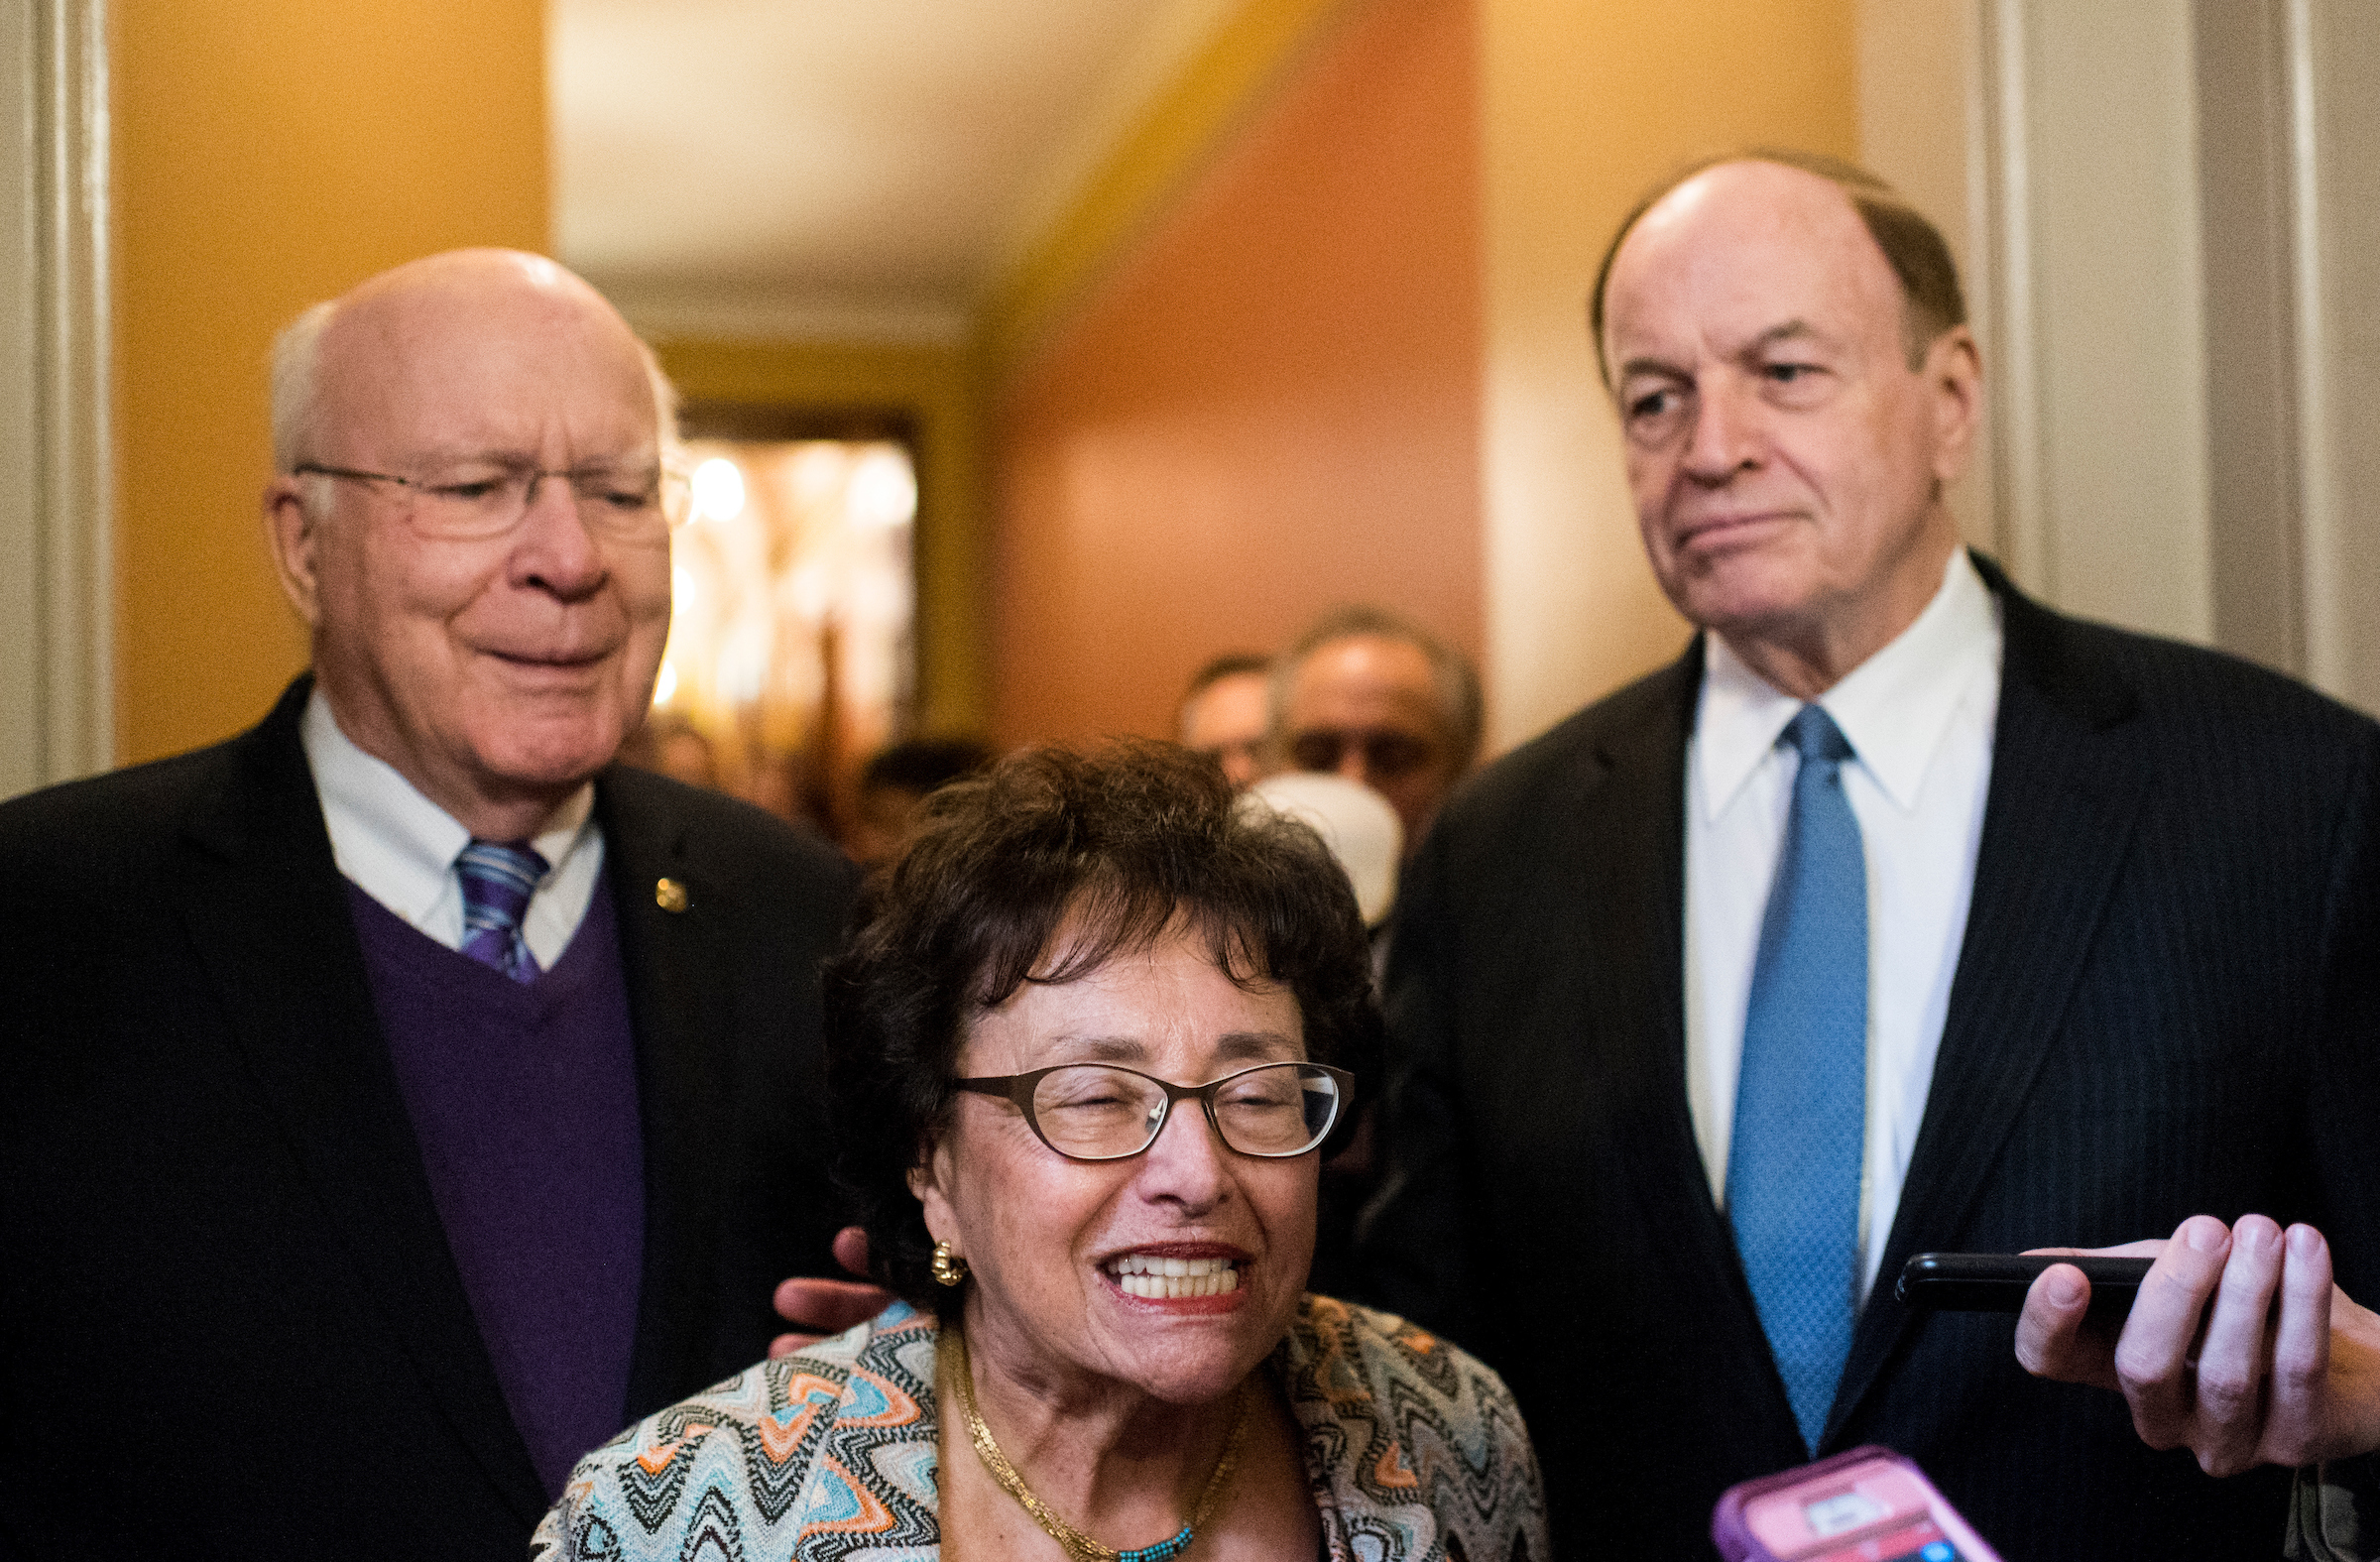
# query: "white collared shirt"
399,847
1918,715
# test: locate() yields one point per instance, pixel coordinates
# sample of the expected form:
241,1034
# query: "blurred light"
811,591
664,687
878,596
884,489
684,590
718,489
819,468
743,669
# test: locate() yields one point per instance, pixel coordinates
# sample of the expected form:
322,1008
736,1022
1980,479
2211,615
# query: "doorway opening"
791,654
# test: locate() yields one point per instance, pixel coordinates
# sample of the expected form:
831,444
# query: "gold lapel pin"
671,896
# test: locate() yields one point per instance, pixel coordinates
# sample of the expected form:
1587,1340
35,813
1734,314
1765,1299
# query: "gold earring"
947,1266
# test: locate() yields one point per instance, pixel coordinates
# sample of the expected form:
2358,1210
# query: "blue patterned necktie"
498,878
1801,1099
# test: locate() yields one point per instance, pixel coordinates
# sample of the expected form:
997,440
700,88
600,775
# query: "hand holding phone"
1870,1505
2243,1348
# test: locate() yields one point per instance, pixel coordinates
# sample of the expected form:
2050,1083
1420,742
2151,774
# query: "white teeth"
1149,1264
1169,1280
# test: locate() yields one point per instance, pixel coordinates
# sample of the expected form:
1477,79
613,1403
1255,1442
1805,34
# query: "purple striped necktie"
498,878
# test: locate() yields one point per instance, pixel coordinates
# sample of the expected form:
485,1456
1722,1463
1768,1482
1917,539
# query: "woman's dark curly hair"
1114,846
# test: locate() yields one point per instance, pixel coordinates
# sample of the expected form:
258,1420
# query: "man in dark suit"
2095,913
402,1096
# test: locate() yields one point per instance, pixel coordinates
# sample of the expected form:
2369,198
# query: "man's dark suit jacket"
229,1323
2164,1005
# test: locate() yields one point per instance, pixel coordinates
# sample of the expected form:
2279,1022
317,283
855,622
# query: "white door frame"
57,566
2179,240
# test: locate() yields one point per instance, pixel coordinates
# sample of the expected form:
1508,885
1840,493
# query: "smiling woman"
1088,1045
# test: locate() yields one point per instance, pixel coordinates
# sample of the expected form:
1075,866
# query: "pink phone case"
1866,1506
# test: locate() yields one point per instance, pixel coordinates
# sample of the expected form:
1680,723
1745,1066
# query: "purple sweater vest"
523,1101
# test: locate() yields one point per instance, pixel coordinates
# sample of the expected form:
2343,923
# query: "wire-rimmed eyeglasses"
1104,1112
486,499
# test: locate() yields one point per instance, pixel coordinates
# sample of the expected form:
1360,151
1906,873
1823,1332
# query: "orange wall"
1269,407
267,153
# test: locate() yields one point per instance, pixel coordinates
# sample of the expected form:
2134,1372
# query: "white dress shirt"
399,847
1918,715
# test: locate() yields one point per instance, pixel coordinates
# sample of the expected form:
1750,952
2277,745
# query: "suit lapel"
1630,825
263,904
2066,790
1629,863
671,949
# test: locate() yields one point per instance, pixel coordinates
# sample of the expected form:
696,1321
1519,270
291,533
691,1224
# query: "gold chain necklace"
1079,1546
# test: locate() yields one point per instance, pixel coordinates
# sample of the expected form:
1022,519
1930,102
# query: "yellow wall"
267,153
1583,104
1919,79
935,386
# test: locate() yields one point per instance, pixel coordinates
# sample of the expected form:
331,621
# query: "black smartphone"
1997,1281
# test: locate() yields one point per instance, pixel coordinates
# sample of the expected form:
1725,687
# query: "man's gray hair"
296,365
1462,709
295,352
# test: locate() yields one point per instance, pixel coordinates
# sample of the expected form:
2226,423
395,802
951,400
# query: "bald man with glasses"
1372,695
404,1097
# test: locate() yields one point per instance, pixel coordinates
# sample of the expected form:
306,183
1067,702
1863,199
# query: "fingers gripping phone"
1866,1506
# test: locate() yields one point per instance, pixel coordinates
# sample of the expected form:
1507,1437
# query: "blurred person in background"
1372,695
669,745
1362,833
1224,714
1356,823
895,781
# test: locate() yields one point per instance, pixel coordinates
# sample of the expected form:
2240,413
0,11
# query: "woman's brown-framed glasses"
1104,1112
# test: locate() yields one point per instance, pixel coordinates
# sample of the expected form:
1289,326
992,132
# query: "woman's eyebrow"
1235,1046
1261,1045
1114,1050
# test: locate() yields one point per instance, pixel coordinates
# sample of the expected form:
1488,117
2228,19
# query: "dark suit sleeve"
1414,1243
210,1192
2343,1101
725,994
2334,1509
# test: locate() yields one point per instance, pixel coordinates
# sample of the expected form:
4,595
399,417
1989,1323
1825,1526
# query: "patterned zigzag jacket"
1414,1453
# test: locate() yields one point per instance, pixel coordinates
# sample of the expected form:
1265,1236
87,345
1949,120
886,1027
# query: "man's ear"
292,537
1953,373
